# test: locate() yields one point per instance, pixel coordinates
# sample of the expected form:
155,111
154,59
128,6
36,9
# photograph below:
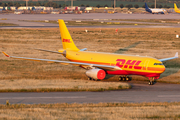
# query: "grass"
105,111
7,24
59,85
90,23
174,21
158,43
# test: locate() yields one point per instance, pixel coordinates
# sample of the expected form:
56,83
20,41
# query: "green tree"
60,5
105,5
136,6
152,6
64,5
54,5
31,4
168,7
17,4
9,4
38,4
98,6
121,6
82,5
3,4
113,5
46,4
165,6
42,4
23,4
160,6
129,6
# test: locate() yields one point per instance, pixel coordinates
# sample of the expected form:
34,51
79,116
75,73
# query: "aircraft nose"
163,68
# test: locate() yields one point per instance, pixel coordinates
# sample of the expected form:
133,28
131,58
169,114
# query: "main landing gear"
124,78
151,81
93,79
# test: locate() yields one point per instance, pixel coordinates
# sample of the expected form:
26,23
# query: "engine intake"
96,74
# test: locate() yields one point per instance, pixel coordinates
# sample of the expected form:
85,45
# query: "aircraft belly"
142,73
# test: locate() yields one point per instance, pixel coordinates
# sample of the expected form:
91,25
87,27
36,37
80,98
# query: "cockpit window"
158,63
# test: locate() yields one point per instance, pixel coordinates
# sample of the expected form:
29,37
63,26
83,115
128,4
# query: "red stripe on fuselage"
123,72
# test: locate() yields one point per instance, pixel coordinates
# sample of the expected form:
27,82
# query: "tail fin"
175,7
147,8
67,41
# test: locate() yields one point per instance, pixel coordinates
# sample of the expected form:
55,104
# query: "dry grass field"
92,23
7,24
91,111
157,42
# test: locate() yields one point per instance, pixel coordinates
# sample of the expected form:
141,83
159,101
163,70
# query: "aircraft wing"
165,59
80,64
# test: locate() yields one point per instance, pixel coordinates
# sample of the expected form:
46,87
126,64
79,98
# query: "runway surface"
160,92
91,16
17,19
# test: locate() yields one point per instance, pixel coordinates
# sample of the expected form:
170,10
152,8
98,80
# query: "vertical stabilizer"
67,41
147,8
175,7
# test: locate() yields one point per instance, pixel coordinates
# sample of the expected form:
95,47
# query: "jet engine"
96,74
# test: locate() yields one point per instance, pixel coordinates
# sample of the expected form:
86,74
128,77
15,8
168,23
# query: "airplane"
176,9
153,11
99,64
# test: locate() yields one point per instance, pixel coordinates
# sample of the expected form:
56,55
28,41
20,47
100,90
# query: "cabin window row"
158,63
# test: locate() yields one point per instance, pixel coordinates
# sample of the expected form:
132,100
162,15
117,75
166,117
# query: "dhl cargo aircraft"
99,64
176,9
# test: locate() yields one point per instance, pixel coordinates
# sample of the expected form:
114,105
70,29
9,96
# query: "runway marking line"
168,95
76,97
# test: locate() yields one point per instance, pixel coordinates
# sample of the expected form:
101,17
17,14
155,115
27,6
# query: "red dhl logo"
128,64
67,40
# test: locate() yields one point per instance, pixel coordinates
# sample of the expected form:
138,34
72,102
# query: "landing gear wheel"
123,78
120,78
151,83
89,78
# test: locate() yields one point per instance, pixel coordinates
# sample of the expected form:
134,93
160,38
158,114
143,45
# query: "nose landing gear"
151,81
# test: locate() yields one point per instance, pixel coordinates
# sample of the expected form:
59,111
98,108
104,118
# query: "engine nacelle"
96,74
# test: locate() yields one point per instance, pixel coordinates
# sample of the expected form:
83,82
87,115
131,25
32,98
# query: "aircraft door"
145,65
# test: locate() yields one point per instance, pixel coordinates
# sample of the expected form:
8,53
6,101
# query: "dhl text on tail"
98,64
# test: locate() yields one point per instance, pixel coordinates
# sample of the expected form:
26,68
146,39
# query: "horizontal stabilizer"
84,49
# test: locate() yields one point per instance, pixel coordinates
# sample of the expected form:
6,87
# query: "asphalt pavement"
160,92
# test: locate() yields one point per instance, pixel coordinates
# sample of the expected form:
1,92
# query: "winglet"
5,54
176,55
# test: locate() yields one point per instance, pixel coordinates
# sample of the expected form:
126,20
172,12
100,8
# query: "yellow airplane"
176,9
99,64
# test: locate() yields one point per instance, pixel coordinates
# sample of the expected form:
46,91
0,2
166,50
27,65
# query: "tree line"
17,4
55,5
135,6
